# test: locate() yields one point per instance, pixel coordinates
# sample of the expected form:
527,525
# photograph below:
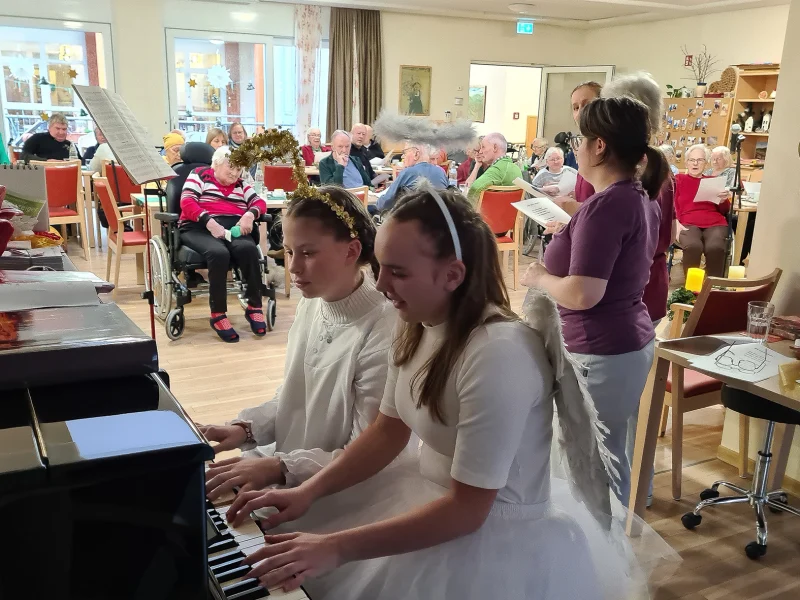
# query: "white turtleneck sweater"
335,374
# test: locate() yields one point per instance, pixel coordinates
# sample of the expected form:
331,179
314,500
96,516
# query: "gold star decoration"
72,73
192,83
44,116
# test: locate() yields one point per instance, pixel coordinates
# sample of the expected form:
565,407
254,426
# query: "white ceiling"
572,13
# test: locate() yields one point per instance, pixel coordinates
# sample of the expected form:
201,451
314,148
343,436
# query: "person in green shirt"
500,169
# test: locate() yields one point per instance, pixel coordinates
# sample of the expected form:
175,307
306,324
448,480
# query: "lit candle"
694,280
736,272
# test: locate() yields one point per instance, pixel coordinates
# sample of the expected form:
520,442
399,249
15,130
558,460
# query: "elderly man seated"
500,169
99,153
360,149
373,146
313,146
341,167
547,180
218,212
51,144
416,161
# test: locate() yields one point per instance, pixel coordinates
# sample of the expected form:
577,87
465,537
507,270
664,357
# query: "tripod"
736,195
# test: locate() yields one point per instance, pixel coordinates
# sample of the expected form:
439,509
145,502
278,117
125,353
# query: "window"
246,78
39,67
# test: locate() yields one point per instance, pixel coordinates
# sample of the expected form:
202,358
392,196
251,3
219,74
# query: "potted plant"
681,92
701,65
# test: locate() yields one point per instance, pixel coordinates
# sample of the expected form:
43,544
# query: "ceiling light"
522,9
244,17
217,42
73,25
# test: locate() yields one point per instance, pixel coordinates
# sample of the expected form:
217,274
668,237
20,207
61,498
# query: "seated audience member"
438,157
547,179
416,158
373,146
99,153
216,138
702,226
538,149
669,153
314,145
721,165
88,154
173,144
213,201
341,167
358,139
180,132
466,167
51,144
237,135
500,169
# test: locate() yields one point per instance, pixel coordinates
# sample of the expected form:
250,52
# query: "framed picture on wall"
476,111
415,90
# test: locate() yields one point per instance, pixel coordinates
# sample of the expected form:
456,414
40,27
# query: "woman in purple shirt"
596,269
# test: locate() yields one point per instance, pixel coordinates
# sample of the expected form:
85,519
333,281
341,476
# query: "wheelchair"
169,259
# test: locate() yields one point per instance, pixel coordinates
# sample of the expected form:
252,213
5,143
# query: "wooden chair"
362,193
279,177
756,176
119,241
505,221
716,311
65,191
120,184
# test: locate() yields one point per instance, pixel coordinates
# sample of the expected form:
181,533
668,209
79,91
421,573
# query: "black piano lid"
55,345
20,462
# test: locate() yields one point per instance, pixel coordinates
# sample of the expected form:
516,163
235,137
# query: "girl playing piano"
477,385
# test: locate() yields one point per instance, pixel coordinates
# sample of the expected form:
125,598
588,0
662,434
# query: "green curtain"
3,154
369,46
340,73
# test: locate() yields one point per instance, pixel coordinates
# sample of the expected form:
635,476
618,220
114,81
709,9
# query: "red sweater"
204,197
657,289
308,153
583,189
699,214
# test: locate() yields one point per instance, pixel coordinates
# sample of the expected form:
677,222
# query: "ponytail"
656,172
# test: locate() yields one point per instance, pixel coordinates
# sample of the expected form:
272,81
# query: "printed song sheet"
540,207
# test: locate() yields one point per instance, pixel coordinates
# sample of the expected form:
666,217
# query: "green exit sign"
524,27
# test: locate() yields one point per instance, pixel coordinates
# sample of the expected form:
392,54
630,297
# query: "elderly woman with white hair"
547,180
669,153
702,226
721,165
313,146
218,215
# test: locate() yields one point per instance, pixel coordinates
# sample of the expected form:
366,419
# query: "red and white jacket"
204,197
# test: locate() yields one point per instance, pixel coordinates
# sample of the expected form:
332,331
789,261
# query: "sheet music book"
26,189
540,207
128,140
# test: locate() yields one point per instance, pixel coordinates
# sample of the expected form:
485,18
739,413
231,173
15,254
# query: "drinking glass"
759,315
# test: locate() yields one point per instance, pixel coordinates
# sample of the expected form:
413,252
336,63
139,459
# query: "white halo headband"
450,223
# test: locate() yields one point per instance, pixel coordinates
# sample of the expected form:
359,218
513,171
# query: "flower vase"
700,90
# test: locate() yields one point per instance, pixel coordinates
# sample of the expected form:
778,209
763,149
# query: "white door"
555,109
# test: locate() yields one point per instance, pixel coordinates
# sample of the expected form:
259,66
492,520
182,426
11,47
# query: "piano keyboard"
227,548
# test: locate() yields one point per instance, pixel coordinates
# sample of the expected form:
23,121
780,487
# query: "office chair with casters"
757,496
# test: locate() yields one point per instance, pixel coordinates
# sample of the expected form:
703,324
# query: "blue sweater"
405,180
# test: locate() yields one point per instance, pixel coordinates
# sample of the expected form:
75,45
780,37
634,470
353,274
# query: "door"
555,109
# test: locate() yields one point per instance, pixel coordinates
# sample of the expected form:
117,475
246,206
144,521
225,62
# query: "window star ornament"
44,116
219,76
72,73
192,83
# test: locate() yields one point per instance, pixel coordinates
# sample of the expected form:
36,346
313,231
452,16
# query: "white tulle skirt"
550,551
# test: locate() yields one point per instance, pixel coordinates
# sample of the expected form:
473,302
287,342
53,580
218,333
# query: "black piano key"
225,566
227,556
227,543
233,573
254,594
240,586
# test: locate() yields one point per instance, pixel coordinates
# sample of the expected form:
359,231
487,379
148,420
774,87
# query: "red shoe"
226,335
258,326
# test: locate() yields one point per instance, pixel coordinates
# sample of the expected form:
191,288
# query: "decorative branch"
702,64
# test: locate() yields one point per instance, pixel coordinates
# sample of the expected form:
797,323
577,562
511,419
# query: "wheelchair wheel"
271,314
174,323
160,268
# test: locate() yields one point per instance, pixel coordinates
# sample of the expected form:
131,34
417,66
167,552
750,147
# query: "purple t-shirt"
611,237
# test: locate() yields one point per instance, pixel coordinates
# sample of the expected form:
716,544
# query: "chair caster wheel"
781,500
691,520
754,550
708,494
271,314
175,323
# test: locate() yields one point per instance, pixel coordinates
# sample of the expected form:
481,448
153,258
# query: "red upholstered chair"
505,221
721,307
119,241
65,198
362,193
119,183
279,177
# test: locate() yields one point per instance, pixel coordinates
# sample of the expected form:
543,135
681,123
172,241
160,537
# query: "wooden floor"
214,381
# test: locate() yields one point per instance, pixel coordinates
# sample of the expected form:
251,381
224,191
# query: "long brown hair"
483,287
623,124
363,225
214,132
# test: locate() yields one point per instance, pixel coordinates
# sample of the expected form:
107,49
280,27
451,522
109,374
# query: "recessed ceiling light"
73,25
244,17
217,42
522,9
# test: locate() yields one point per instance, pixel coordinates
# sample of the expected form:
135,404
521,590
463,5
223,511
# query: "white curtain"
307,39
356,84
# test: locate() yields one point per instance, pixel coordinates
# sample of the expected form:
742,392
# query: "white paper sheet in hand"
540,208
747,362
566,185
710,189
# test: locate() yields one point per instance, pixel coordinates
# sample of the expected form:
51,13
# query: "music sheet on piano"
127,138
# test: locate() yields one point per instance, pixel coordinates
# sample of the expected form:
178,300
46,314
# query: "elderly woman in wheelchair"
217,220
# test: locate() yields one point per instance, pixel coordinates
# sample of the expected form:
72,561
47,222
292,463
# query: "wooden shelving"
752,81
748,100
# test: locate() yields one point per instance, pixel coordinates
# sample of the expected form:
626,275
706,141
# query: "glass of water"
759,316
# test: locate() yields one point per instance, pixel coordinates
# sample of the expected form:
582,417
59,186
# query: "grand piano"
102,478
